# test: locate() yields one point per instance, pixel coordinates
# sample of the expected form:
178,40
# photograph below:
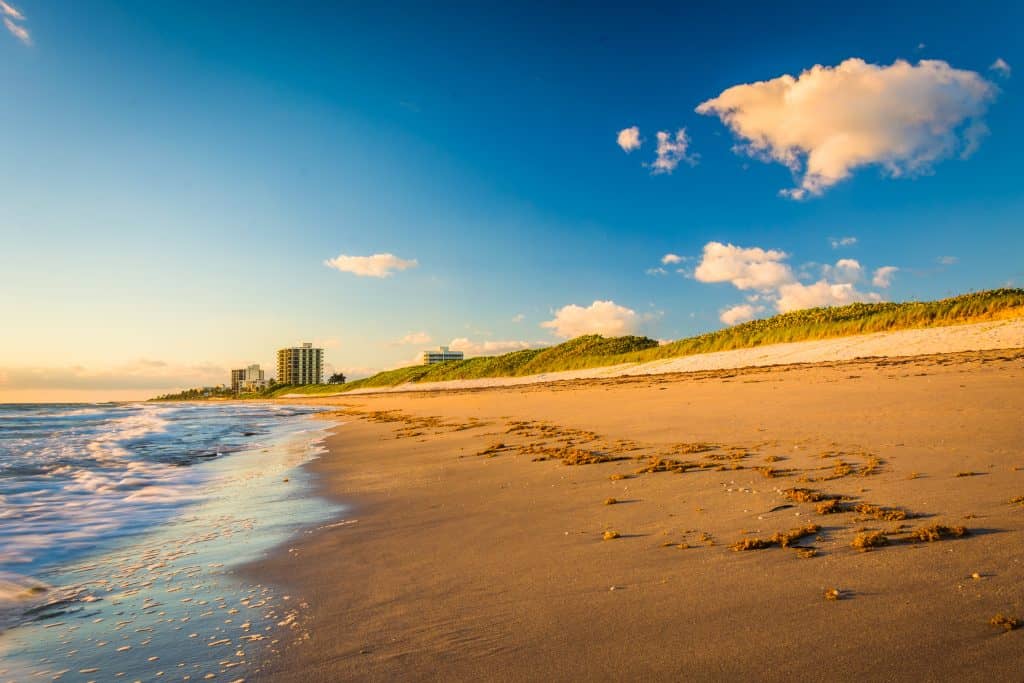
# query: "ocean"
121,526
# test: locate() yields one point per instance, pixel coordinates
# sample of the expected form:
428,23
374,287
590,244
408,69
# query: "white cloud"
1001,67
601,317
740,313
377,265
796,296
846,270
947,260
519,317
883,276
745,268
415,338
671,150
19,32
668,259
629,139
656,271
838,242
829,121
773,281
490,347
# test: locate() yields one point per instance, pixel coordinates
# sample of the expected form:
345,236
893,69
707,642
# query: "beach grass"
595,351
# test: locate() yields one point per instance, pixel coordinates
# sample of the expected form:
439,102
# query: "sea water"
120,528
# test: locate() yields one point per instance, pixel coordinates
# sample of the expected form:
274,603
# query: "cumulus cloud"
629,139
377,265
669,259
1001,67
670,151
740,313
490,347
601,317
828,121
745,268
838,242
772,280
846,270
415,338
883,276
796,296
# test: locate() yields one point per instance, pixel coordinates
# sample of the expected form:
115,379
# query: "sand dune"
1002,334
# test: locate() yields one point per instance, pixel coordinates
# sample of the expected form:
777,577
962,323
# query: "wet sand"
473,542
169,604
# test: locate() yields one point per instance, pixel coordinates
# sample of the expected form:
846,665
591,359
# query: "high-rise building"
300,365
441,355
247,379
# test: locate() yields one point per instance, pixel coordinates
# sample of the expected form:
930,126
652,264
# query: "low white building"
248,379
441,355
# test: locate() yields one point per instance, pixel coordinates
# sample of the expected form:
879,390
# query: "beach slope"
474,543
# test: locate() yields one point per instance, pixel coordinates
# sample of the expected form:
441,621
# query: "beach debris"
867,540
610,501
1004,622
609,535
937,532
783,539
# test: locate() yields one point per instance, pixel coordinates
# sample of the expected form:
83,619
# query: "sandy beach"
474,537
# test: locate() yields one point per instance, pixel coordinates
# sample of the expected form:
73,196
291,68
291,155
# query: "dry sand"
466,560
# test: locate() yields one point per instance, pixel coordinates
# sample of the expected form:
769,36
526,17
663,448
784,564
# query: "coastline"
461,560
172,600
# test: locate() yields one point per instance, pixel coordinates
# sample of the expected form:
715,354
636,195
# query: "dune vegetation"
595,351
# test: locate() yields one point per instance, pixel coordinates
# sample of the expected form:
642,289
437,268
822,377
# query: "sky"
186,187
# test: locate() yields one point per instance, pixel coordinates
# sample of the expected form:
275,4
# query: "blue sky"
175,175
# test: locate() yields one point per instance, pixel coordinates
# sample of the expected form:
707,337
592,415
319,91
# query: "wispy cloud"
490,347
629,139
415,338
828,121
670,151
19,32
947,260
12,15
377,265
140,374
839,242
9,11
1001,67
